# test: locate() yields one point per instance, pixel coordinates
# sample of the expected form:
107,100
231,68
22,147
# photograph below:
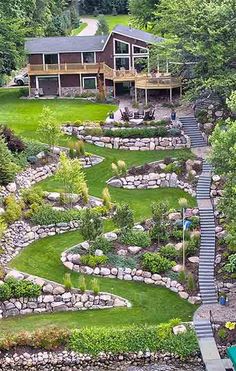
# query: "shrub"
106,198
159,233
45,215
230,266
13,209
169,252
82,284
155,263
192,246
137,132
174,132
2,272
79,148
32,196
8,168
191,284
222,333
94,131
95,286
14,143
91,225
195,222
136,238
34,147
174,168
122,167
164,330
119,261
3,227
93,260
182,276
13,288
123,217
67,281
115,169
84,192
133,338
101,243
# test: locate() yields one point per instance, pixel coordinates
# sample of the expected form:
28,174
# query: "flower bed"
137,255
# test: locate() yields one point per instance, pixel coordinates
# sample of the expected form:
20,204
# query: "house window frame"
58,58
114,47
90,77
122,56
94,58
141,47
140,56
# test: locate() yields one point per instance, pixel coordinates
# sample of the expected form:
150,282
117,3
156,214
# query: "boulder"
48,288
216,178
134,249
180,329
177,268
179,246
173,180
183,294
58,290
115,183
84,245
105,271
53,196
11,187
111,236
194,259
98,252
174,216
14,274
122,252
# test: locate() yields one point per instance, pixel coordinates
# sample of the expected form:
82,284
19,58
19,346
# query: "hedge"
133,338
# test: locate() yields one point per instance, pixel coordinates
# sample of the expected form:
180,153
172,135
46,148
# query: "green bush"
195,222
168,252
45,215
91,225
93,261
95,131
177,234
123,217
8,168
192,246
95,286
155,263
67,281
136,238
82,284
137,133
32,196
101,243
119,261
13,288
230,266
93,340
159,232
13,209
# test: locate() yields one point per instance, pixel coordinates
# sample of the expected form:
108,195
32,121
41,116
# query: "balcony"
65,68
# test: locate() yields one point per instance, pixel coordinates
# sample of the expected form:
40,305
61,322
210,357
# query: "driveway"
91,27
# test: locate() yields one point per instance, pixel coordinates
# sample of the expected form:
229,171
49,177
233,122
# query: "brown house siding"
69,81
70,57
108,54
33,81
36,59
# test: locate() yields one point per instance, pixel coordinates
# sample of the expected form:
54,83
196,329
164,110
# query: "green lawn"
112,20
139,200
22,115
150,304
76,31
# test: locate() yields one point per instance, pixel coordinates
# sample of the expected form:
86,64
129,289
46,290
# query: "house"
69,66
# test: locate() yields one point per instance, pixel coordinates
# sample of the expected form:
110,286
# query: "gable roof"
65,44
137,34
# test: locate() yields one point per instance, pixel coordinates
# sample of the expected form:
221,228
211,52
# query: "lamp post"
183,203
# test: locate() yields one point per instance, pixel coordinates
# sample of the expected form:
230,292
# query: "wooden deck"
141,80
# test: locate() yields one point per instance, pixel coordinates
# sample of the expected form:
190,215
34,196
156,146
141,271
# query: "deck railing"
66,67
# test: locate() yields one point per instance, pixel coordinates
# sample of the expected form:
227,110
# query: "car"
22,79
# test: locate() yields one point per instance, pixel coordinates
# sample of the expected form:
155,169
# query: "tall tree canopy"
143,12
103,6
202,32
23,18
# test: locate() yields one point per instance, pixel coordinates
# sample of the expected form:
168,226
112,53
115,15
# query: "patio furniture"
124,116
129,113
149,115
231,352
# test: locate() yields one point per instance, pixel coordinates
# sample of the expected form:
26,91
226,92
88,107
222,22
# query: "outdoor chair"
128,112
124,116
149,115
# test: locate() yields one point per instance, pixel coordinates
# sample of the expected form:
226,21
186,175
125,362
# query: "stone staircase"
203,329
190,127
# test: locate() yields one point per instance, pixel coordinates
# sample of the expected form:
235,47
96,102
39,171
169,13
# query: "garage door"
49,85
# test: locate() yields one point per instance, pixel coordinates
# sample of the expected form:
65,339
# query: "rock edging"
55,298
137,144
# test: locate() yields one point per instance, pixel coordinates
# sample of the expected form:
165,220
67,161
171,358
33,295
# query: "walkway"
91,27
206,274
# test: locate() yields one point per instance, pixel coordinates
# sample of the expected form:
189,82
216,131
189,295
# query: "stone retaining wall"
31,176
138,144
72,261
152,180
21,234
68,361
54,298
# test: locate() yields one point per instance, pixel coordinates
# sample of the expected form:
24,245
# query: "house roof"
84,43
65,44
137,34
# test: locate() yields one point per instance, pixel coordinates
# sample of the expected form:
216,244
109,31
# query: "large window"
88,57
51,58
139,50
122,63
140,63
121,47
90,83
